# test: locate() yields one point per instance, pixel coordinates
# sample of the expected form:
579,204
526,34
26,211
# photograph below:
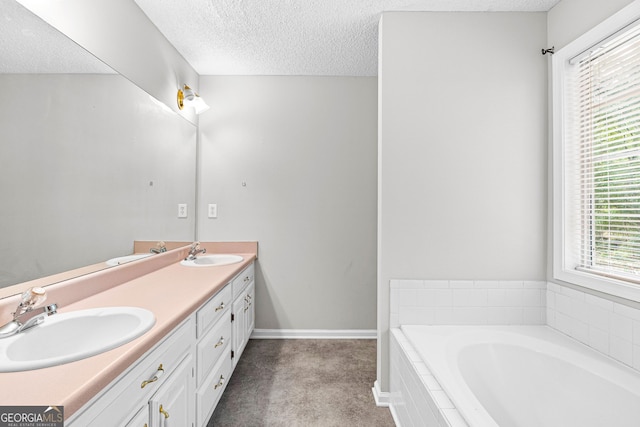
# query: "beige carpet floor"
306,383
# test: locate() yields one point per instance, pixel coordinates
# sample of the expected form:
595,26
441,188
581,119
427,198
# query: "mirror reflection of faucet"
194,250
160,248
30,299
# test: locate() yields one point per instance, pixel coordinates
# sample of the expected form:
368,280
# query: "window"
596,82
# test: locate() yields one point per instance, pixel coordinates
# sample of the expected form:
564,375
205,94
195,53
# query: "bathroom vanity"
175,373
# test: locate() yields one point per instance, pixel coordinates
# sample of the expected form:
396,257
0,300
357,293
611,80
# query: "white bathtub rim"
442,364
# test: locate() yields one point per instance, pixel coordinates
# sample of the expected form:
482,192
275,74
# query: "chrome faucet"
30,299
194,250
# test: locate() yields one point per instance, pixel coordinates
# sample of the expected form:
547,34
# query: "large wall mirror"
90,162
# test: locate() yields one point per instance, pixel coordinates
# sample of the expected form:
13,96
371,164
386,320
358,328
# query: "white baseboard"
382,398
394,415
314,334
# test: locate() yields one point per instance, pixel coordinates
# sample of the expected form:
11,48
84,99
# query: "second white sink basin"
67,337
127,258
212,260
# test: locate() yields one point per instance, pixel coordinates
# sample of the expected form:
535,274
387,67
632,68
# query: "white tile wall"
607,326
417,399
442,302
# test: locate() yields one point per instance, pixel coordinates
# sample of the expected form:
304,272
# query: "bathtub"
510,376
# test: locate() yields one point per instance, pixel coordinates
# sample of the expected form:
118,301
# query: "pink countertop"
160,284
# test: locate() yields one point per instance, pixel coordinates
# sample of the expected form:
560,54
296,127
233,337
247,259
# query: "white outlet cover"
182,210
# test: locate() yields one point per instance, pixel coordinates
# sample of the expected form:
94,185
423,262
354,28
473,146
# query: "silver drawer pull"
220,307
219,343
155,378
220,383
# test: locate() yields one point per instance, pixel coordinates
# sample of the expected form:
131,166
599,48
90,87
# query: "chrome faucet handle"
30,298
33,296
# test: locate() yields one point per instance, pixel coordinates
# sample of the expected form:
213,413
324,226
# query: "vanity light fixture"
187,97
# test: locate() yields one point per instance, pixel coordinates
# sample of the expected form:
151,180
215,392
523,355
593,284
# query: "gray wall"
569,19
306,149
462,144
78,155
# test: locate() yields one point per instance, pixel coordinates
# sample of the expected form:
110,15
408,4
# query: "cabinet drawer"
242,280
213,310
209,393
211,347
124,395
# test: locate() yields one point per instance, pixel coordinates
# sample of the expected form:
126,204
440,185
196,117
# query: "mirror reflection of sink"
124,259
212,260
67,337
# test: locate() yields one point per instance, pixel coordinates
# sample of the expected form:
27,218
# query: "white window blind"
603,157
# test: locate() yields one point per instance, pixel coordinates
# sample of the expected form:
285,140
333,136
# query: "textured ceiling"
29,45
292,37
239,37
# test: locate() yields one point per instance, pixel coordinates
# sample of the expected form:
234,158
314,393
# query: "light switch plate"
213,210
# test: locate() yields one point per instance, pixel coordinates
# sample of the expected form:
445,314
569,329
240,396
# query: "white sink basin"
127,258
67,337
212,260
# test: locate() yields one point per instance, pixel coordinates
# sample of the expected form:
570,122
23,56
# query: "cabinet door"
239,330
174,403
250,314
141,419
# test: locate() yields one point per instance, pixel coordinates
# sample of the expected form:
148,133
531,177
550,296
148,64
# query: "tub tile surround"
604,325
609,327
456,302
412,384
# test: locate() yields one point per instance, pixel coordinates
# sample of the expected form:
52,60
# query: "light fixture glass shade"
187,97
198,104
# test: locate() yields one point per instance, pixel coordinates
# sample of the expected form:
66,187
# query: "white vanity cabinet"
180,381
173,402
250,310
167,369
243,311
221,340
213,353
